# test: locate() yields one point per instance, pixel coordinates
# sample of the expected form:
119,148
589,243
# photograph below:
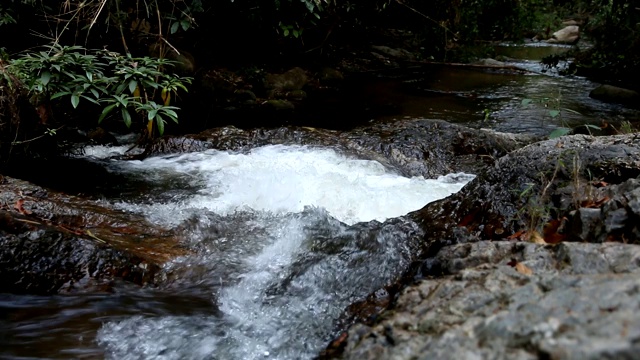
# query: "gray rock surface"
544,181
413,147
580,301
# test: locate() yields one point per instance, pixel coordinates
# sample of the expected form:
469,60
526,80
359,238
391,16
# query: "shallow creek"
284,238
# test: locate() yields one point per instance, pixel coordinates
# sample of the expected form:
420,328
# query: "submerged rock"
609,93
51,242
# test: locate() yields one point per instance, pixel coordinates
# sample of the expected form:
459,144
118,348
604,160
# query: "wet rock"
416,147
51,242
609,93
330,76
543,182
577,301
568,35
490,62
245,95
279,105
397,53
294,79
101,137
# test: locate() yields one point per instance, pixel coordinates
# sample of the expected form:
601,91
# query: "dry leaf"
523,269
535,238
551,234
600,184
594,204
19,207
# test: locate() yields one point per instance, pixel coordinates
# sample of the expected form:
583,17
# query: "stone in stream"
567,35
51,243
609,93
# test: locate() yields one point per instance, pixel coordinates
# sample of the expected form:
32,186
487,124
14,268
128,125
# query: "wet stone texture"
577,301
51,243
572,291
416,147
588,184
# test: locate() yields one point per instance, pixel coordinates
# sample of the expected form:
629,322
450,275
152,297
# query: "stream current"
284,239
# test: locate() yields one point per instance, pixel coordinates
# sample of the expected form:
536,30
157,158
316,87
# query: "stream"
283,238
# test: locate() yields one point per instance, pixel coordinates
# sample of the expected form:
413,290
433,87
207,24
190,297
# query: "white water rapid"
284,242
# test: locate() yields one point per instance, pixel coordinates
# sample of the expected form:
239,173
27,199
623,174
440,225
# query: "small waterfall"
285,238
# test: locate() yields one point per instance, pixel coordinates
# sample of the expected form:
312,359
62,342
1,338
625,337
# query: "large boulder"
568,35
614,94
511,300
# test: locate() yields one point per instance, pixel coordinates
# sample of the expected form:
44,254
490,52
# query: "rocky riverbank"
568,291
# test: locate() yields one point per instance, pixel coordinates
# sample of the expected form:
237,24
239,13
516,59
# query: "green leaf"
554,113
526,102
75,100
133,84
126,117
174,27
59,94
571,111
152,114
160,124
286,32
45,77
170,113
296,33
559,132
122,100
89,99
105,112
89,76
120,88
95,93
185,25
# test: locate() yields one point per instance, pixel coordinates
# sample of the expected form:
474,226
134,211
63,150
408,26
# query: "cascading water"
285,238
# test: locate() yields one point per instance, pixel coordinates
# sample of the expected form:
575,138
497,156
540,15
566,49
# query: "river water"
283,238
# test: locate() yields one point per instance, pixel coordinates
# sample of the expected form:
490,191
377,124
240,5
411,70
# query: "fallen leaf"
600,184
516,236
523,269
19,207
535,238
594,203
550,232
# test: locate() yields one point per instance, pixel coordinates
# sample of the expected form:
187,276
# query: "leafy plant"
555,111
110,80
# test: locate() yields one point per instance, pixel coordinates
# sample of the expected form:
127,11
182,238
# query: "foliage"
107,79
615,27
555,110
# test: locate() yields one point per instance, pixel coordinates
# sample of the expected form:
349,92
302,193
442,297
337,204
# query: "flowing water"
283,238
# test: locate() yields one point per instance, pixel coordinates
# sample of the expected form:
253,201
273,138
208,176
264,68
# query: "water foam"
281,179
284,246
